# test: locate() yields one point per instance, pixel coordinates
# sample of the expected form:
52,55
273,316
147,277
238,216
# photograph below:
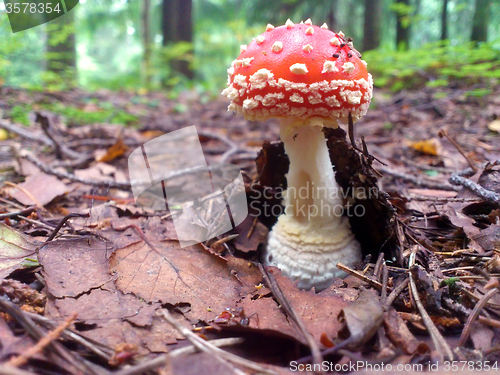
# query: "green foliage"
435,65
404,11
75,116
19,114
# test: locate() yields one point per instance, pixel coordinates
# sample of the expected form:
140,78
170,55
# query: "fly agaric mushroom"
307,77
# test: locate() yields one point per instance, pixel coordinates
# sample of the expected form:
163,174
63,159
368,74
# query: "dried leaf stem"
207,347
439,342
283,301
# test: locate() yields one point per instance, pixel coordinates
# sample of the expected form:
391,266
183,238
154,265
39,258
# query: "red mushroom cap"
300,71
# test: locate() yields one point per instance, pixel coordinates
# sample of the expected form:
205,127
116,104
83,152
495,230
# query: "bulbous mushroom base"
309,253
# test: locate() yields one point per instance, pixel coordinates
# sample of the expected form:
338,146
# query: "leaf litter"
120,268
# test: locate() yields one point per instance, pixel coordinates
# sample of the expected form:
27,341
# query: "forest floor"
92,283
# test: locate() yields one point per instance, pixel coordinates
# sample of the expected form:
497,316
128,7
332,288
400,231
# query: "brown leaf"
73,267
115,151
76,273
43,187
362,319
430,146
398,332
318,311
482,336
159,270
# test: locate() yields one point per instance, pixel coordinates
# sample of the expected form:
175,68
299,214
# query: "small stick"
443,133
62,174
40,345
378,266
418,181
439,342
29,134
8,370
62,222
224,240
207,347
385,278
489,321
390,299
163,359
487,195
252,228
366,279
24,212
283,301
475,313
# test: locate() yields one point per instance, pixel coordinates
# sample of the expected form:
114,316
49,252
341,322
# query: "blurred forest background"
144,45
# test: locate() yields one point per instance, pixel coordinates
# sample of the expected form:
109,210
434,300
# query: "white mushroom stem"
312,236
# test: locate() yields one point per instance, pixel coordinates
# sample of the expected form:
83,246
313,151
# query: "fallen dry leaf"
159,270
430,146
43,187
397,331
115,151
362,319
76,273
14,248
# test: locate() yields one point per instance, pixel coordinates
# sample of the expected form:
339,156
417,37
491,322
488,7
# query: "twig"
283,301
233,147
24,212
97,348
35,222
29,134
217,353
439,342
489,321
163,359
366,279
62,222
417,181
61,174
378,266
477,189
37,333
385,277
40,345
8,370
442,133
475,313
395,293
424,198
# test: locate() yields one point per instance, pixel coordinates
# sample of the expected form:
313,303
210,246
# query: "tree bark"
480,21
402,31
177,26
372,24
444,20
146,41
61,54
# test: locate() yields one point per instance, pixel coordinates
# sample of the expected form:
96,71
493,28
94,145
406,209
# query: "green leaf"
14,248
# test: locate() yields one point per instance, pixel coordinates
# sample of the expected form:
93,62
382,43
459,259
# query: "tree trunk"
178,27
480,21
146,41
372,25
444,20
402,29
61,54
